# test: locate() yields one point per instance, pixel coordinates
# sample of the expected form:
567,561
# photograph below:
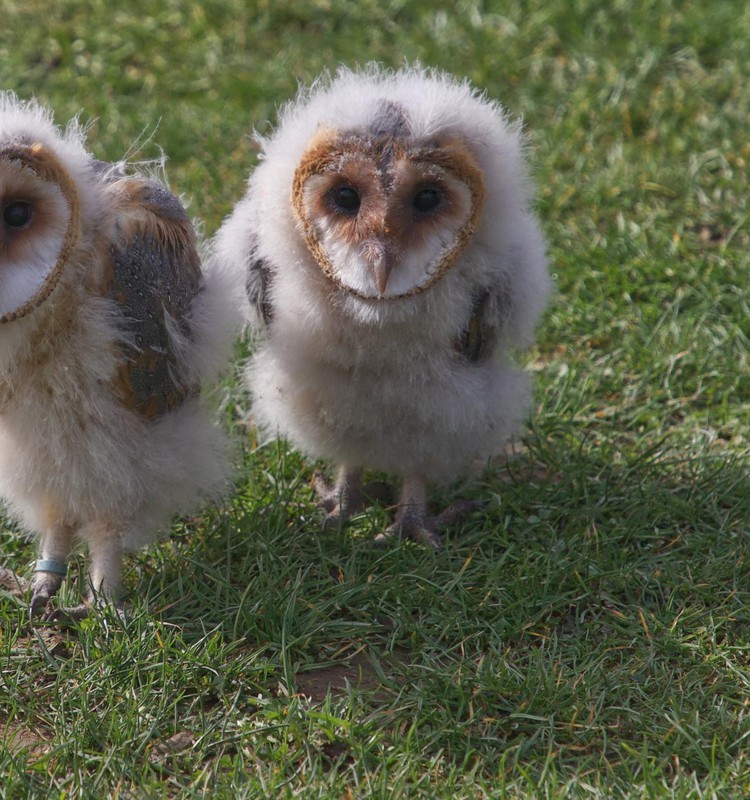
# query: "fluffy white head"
394,138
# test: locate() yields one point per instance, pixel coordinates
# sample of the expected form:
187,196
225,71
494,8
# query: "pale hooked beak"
380,263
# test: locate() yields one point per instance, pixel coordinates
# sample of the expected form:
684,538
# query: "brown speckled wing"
155,276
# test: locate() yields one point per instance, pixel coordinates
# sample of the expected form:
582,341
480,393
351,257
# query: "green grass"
588,633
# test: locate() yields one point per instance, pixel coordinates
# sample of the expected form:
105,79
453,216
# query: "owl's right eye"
345,199
17,214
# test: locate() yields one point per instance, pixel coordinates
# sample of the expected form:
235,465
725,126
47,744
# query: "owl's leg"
412,521
347,496
51,566
105,572
105,564
342,499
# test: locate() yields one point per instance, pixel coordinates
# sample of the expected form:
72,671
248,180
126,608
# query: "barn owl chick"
108,325
393,258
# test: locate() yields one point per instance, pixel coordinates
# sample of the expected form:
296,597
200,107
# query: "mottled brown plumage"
154,275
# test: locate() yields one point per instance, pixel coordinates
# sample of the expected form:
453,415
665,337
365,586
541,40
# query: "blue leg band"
48,565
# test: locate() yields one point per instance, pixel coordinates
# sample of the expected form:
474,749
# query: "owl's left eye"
345,199
427,200
17,214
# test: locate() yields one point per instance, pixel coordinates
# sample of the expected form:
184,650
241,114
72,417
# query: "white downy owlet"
108,325
393,258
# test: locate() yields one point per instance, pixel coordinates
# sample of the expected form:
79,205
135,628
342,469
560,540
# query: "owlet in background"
108,326
393,258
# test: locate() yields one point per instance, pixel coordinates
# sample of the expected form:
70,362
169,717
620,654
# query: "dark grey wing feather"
257,285
155,277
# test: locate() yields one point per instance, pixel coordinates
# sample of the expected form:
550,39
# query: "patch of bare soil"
358,672
178,743
17,738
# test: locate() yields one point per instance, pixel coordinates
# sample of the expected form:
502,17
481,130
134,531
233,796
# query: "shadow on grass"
595,612
591,603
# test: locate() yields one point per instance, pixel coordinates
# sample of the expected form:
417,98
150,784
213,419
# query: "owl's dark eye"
427,200
345,199
17,214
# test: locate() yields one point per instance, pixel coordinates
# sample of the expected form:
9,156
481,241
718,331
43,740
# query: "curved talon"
37,604
382,540
70,615
44,585
67,615
426,535
425,530
420,530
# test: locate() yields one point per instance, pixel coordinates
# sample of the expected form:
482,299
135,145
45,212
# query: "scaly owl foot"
44,585
417,526
342,500
69,615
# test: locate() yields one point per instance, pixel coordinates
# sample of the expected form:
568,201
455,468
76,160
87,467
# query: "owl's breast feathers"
153,275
